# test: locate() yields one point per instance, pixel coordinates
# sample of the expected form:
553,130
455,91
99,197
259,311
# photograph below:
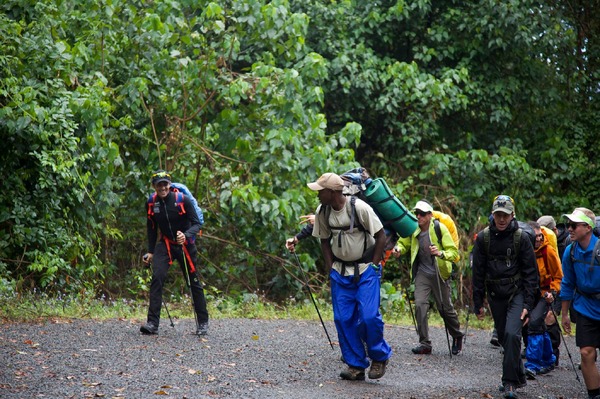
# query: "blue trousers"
357,319
540,353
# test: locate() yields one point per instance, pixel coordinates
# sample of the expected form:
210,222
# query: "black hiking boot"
457,344
530,374
510,391
421,350
149,328
494,340
546,370
202,328
502,386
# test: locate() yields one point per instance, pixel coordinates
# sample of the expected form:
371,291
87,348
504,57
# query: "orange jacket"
549,266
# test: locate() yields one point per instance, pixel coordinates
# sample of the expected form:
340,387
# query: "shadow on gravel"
245,358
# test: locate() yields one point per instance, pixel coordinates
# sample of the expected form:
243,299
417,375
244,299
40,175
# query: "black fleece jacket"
167,218
484,267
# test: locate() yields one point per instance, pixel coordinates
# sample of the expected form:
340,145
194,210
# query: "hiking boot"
353,374
457,345
510,391
202,329
530,374
377,369
421,350
149,328
546,370
502,386
494,340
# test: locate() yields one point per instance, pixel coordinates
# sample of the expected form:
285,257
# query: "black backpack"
596,253
524,228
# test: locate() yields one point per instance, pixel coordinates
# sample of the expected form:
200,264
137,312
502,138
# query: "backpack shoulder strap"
179,201
517,241
352,213
438,232
486,240
151,202
326,211
595,254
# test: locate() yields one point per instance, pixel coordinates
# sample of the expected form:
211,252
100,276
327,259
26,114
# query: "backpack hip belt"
502,281
345,264
588,295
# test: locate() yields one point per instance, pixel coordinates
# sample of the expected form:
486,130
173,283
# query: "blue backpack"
180,191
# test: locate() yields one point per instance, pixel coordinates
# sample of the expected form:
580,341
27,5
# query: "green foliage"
245,102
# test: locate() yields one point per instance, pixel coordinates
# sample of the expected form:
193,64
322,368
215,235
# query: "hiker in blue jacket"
581,285
174,223
352,253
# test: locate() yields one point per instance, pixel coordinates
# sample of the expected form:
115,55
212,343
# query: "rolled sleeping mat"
390,208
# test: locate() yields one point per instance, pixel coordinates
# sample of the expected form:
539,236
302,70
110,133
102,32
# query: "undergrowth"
36,305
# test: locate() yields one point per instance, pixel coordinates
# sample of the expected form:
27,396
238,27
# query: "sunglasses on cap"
504,198
161,174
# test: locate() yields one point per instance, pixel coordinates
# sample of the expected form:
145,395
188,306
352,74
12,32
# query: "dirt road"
245,358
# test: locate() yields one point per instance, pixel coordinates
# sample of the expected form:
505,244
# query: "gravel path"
245,358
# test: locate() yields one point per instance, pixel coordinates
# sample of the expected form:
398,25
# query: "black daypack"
506,287
562,239
523,228
595,255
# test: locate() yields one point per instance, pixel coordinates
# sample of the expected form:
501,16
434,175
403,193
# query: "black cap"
159,176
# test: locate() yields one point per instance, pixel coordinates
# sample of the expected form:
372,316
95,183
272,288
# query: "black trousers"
160,266
507,319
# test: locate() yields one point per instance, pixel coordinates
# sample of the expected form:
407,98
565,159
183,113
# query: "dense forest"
247,101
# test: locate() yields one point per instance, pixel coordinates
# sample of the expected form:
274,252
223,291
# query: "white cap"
423,206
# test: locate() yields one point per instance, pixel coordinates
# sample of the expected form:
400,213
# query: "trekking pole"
565,344
466,325
438,277
189,284
168,314
412,313
312,297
